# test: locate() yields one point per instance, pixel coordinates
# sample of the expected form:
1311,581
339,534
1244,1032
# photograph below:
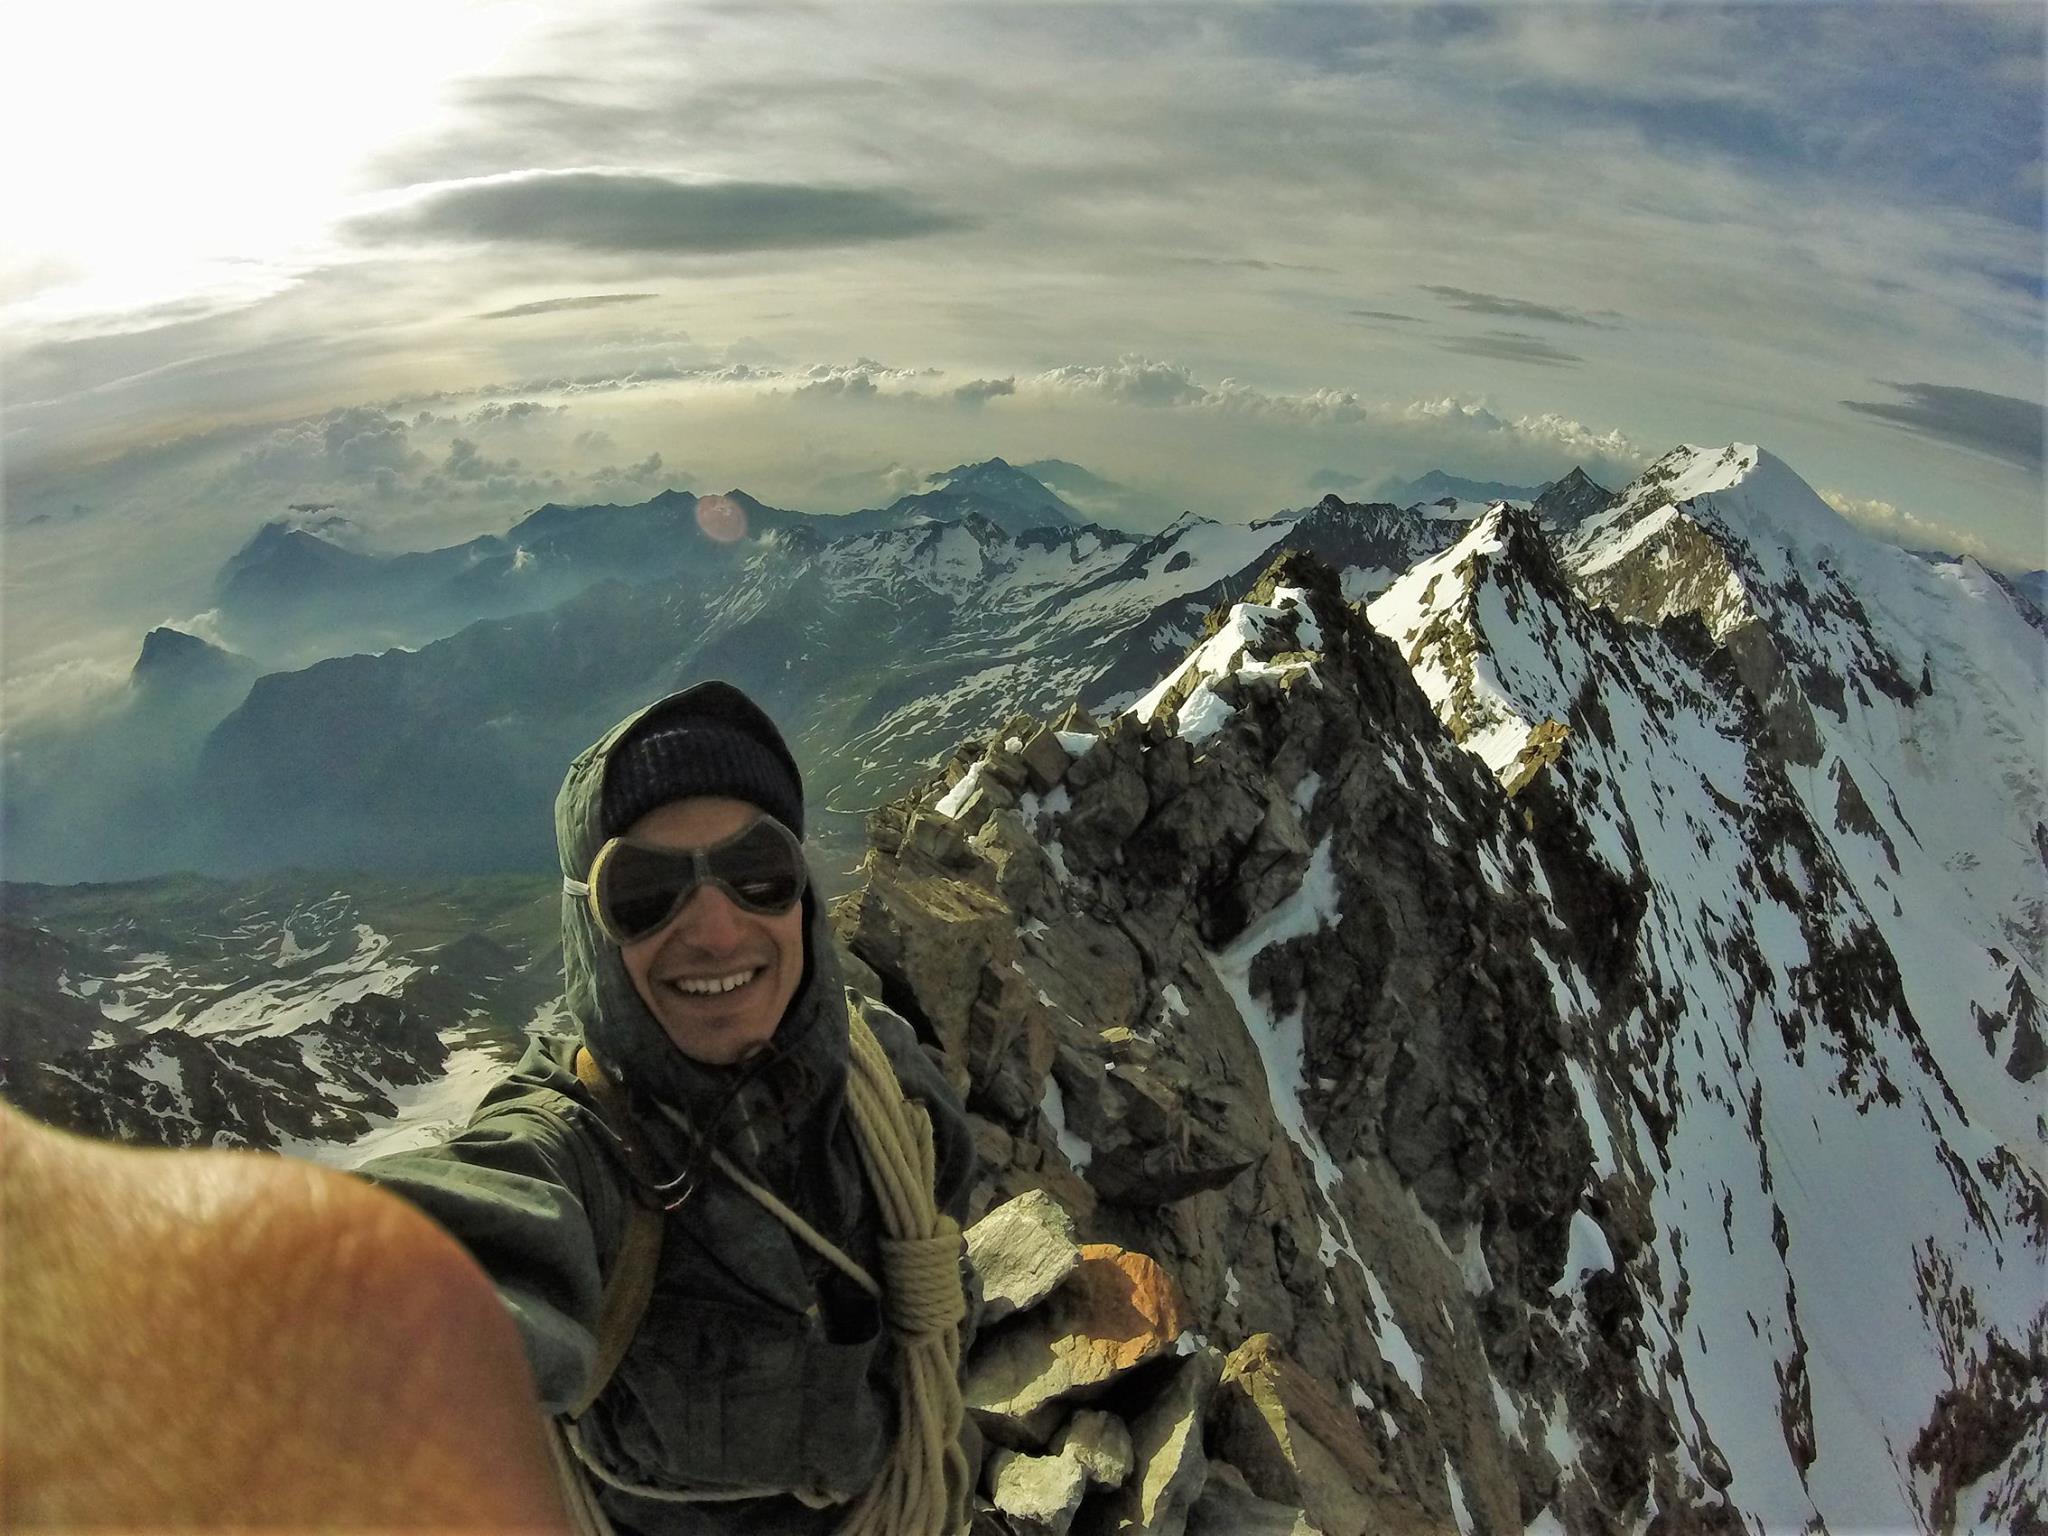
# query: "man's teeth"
710,986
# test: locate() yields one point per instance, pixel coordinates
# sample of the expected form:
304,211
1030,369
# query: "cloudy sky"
425,265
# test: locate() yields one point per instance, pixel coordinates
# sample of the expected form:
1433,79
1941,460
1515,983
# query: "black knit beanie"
712,740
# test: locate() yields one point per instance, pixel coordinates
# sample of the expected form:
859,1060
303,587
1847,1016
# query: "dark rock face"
1976,1426
1571,501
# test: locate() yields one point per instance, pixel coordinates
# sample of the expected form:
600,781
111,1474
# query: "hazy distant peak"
171,658
165,646
282,530
958,471
284,551
1011,499
1438,484
998,477
752,503
1058,472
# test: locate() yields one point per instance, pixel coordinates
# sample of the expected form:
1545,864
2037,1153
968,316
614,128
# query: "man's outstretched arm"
226,1341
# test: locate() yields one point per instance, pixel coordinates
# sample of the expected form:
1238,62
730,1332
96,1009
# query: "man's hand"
228,1341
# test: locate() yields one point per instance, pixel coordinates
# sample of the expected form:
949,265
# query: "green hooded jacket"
758,1369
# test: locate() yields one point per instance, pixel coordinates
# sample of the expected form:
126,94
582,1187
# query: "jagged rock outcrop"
1210,980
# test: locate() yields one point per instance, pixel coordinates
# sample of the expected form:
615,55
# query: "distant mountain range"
1438,485
291,593
451,685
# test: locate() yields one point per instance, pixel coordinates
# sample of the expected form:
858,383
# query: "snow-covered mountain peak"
1920,685
1743,492
1759,497
1273,633
1486,626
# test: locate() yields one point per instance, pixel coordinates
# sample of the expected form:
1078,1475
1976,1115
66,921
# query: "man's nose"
709,920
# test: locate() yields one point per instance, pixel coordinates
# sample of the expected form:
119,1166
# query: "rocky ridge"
1770,992
1428,1088
1212,976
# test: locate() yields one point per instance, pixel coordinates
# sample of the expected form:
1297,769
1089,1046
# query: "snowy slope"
1795,1046
1912,708
289,1015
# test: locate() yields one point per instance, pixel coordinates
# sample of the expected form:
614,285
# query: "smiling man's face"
717,977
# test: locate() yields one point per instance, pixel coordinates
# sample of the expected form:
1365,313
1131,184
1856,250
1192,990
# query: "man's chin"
716,1038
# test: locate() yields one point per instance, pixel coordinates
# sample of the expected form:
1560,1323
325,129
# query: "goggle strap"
589,893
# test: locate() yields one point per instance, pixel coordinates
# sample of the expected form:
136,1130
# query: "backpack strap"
630,1285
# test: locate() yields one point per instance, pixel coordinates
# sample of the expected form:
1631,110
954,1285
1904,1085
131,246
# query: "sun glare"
722,519
194,153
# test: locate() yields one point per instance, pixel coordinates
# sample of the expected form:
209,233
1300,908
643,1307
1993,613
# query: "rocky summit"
1523,1019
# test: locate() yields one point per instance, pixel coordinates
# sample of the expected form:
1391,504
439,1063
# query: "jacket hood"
748,1106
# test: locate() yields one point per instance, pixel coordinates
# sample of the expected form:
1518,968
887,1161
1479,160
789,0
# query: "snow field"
1727,963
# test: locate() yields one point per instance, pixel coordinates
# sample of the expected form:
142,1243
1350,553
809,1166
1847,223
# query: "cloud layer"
1212,254
1517,309
2000,425
1513,347
620,211
555,306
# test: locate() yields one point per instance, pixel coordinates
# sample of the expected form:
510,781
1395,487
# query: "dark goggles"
634,888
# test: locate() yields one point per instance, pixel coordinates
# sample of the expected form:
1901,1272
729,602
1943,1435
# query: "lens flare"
722,519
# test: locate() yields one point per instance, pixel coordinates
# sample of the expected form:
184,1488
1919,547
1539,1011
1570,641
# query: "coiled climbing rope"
922,1487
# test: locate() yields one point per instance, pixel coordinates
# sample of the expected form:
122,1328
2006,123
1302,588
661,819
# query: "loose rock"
1101,1443
1021,1250
1228,1507
1114,1312
1297,1445
1041,1493
1171,1464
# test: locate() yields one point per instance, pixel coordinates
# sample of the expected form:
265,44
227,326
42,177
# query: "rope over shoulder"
922,1487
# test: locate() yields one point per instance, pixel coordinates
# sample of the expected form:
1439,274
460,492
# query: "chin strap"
922,1487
